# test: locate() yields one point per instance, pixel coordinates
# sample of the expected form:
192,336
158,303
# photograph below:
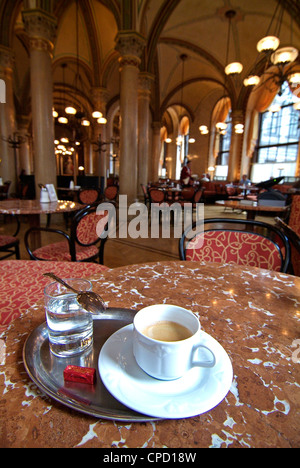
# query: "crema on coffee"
165,330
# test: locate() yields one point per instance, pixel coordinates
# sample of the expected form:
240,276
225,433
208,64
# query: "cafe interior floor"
125,251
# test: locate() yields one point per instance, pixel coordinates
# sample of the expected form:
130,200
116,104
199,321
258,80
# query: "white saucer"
198,391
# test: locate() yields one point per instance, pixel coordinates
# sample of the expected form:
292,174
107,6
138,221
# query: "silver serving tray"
46,370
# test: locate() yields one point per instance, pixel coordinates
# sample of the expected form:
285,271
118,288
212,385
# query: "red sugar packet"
80,374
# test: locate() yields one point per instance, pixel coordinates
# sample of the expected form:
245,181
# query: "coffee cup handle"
203,363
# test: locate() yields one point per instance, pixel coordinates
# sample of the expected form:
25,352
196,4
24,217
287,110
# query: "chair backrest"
88,196
294,220
111,192
241,242
156,195
187,193
87,226
198,195
84,225
4,189
230,190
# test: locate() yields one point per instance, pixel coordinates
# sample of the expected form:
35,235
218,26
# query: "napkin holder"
44,197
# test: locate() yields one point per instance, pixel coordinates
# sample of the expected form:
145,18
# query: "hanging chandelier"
280,63
78,87
233,68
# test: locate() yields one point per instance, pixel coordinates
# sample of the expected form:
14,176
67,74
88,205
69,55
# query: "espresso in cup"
165,330
166,340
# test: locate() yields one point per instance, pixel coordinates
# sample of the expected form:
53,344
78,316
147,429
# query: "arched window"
277,149
224,148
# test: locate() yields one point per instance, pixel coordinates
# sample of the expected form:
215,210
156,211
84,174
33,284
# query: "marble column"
144,94
7,119
100,98
235,153
25,155
156,149
130,45
40,28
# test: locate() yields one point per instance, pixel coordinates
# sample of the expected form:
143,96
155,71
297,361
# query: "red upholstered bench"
22,283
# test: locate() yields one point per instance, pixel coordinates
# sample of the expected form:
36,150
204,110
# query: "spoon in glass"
89,300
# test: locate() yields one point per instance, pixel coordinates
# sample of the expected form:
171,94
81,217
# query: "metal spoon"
89,300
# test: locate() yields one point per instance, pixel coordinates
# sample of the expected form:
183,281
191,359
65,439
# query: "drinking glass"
70,327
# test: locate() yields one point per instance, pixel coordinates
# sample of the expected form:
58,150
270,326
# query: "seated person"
244,180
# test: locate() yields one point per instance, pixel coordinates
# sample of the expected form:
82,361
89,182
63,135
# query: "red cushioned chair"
187,195
294,240
84,243
89,196
292,230
156,195
145,193
111,193
241,242
9,244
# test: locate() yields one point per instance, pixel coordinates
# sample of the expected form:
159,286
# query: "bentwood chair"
85,243
236,241
145,193
88,196
4,190
294,240
156,195
9,244
111,193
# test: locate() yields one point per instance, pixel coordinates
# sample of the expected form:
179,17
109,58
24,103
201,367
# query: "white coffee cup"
168,360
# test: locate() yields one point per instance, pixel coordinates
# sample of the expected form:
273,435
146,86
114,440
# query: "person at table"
244,180
186,174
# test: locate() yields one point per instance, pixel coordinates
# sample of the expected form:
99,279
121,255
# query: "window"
279,132
221,169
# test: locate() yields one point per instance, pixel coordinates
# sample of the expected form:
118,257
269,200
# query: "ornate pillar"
7,119
130,45
40,27
235,152
144,94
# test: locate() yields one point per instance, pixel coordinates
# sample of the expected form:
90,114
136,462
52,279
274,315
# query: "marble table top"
34,207
254,314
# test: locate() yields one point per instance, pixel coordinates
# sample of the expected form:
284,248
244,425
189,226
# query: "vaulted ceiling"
197,28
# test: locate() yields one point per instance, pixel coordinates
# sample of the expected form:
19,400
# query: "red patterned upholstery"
6,240
187,194
22,283
241,242
234,247
111,192
294,220
294,223
9,244
198,195
89,196
156,195
84,243
59,252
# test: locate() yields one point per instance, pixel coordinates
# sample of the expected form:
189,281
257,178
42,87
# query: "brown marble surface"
252,210
34,207
255,316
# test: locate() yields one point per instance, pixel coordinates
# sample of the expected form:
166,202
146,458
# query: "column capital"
237,116
100,97
40,27
145,82
130,45
156,126
6,58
